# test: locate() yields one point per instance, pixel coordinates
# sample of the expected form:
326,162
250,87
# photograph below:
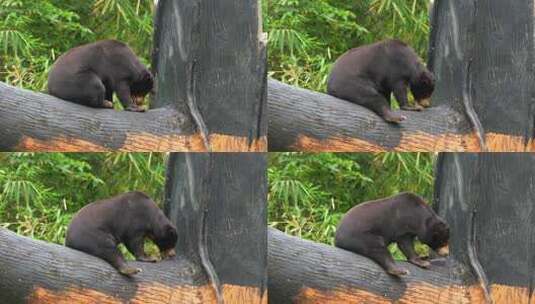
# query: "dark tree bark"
482,54
221,211
211,92
488,201
217,202
211,56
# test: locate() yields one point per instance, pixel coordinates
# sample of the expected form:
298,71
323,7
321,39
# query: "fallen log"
34,271
303,120
31,121
302,271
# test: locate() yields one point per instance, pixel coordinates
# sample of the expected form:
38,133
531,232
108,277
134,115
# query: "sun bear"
368,228
368,75
99,227
89,75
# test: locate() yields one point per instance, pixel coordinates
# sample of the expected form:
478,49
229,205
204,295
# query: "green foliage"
40,192
33,33
309,193
306,36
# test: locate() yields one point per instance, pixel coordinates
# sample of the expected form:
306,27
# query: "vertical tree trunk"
488,200
218,203
210,62
482,55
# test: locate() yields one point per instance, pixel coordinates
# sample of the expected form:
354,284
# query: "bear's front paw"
398,272
148,259
107,104
168,253
420,263
426,103
416,107
135,109
129,271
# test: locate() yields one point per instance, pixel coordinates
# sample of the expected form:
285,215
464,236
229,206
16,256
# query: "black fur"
99,227
368,229
368,75
91,73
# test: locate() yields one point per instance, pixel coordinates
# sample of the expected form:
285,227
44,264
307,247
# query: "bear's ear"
148,77
170,231
441,230
427,78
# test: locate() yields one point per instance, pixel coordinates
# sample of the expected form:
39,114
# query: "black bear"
89,75
368,229
128,218
368,75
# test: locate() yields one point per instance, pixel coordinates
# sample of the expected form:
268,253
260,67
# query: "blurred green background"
33,33
305,36
40,192
308,193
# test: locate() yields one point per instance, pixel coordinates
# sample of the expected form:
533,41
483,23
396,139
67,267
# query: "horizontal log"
302,271
303,120
34,271
32,121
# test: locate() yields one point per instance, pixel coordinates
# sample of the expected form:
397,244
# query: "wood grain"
302,271
303,120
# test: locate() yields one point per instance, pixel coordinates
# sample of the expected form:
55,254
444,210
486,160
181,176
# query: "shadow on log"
302,271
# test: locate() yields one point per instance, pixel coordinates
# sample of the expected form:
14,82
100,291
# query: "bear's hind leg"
375,248
108,251
96,92
365,95
116,259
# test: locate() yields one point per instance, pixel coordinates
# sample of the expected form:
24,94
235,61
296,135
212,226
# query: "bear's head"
165,238
422,87
437,235
141,87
